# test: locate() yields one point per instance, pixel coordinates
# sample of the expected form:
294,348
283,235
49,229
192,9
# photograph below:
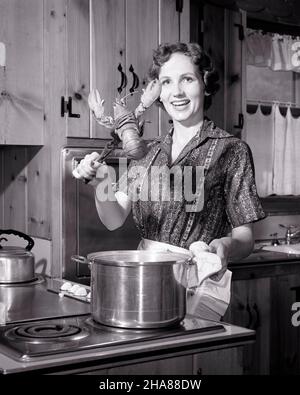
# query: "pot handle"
80,259
20,234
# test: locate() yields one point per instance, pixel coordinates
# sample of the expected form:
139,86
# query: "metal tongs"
109,147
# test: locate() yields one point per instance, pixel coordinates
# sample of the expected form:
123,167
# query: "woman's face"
182,91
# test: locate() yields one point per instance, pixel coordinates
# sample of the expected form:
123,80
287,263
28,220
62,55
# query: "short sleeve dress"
206,192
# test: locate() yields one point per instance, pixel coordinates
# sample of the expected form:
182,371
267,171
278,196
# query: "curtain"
275,144
260,139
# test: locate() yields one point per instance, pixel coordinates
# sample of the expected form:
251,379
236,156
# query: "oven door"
82,230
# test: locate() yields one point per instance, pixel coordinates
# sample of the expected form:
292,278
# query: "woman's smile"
180,104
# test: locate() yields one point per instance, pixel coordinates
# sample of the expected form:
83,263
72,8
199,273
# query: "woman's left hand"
221,247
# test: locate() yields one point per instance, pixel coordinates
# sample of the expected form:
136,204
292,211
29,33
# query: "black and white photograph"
149,191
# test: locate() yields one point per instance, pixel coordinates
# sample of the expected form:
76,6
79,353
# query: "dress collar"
208,130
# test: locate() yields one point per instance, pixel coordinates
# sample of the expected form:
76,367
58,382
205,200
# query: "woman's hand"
91,170
222,248
236,246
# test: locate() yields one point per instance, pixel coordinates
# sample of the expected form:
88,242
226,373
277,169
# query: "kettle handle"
20,234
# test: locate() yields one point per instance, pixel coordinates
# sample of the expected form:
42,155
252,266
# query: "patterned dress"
222,195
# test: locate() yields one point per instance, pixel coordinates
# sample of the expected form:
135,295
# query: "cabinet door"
110,43
21,72
227,51
174,26
235,94
78,66
107,55
142,36
250,307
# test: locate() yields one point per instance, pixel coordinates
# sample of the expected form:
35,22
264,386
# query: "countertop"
260,256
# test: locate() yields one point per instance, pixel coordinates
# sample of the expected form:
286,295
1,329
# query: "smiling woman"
224,201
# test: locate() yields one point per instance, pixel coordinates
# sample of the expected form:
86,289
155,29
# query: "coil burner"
46,333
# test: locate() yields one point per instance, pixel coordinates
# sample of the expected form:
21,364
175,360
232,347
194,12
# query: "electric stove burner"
46,332
37,280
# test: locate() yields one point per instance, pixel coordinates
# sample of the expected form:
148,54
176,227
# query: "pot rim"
139,258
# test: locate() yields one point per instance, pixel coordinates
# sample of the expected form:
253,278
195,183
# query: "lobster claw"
96,105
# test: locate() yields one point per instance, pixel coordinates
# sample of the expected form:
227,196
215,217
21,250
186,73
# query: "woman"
226,204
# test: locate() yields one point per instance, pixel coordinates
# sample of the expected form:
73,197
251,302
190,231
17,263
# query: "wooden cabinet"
285,338
21,72
262,299
110,44
250,307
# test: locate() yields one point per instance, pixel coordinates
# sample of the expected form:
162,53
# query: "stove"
27,341
44,320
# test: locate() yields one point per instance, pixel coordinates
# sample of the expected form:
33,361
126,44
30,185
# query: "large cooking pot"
16,263
137,289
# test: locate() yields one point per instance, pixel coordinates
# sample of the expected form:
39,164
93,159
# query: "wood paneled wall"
30,195
25,194
30,176
21,78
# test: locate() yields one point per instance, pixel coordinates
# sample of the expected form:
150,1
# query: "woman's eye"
165,82
188,79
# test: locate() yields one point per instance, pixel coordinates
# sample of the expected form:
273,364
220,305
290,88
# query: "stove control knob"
66,286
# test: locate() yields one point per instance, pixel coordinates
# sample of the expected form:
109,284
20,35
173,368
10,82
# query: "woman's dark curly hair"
200,59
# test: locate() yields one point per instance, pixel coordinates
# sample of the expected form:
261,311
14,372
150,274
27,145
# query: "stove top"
35,301
48,337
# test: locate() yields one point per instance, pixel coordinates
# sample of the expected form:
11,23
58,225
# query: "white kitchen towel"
206,297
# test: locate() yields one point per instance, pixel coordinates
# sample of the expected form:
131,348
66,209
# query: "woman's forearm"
239,248
112,208
242,242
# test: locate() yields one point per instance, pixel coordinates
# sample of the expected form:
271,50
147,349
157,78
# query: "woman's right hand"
91,170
